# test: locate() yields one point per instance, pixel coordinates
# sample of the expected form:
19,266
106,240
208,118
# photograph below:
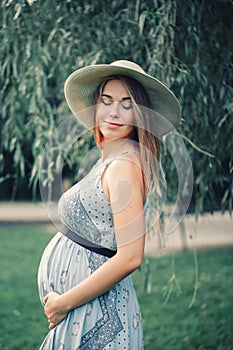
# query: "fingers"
52,310
52,325
46,298
49,295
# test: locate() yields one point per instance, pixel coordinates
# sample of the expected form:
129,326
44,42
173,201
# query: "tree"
176,41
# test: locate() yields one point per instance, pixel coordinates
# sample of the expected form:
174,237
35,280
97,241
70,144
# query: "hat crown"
127,64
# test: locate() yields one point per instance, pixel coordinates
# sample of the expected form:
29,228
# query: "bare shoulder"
126,168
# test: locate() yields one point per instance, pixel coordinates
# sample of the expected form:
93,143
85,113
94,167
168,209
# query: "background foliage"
187,44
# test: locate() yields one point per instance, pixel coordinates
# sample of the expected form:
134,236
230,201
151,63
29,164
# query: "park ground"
185,300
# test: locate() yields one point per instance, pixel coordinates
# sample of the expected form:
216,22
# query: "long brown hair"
149,145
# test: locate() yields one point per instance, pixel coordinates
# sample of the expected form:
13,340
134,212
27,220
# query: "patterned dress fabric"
111,321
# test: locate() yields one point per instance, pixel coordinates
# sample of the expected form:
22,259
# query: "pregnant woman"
84,275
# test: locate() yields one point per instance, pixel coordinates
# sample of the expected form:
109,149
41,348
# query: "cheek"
99,114
129,118
130,129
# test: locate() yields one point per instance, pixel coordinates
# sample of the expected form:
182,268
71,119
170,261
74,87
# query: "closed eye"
107,101
126,102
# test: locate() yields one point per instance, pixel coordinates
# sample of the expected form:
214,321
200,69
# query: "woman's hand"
53,309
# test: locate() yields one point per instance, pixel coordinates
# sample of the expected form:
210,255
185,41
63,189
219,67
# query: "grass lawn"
171,326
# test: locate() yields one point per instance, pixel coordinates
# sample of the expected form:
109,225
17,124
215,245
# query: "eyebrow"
123,98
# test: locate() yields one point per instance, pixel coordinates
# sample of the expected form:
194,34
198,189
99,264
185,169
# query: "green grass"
174,325
22,323
170,326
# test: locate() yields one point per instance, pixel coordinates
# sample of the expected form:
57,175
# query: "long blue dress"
111,321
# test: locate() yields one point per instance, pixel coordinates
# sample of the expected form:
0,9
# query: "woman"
84,275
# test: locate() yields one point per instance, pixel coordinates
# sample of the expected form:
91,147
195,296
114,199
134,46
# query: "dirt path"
209,231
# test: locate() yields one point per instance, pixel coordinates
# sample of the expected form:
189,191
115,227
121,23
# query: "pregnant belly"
64,264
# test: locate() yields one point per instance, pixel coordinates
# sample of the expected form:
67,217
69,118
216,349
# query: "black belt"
87,244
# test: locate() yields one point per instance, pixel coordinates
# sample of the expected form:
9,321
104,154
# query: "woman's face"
114,111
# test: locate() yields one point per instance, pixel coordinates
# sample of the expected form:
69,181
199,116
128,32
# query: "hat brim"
81,84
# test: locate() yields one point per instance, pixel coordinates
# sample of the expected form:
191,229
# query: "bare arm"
124,188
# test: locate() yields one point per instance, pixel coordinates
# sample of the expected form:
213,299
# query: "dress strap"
109,160
119,155
129,151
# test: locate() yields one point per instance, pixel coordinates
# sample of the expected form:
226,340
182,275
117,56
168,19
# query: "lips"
112,124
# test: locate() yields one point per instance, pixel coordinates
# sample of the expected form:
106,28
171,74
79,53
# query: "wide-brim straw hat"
81,85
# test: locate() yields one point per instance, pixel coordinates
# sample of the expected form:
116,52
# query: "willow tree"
186,44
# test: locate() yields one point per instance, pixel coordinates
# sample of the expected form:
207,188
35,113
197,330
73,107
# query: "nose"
114,111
